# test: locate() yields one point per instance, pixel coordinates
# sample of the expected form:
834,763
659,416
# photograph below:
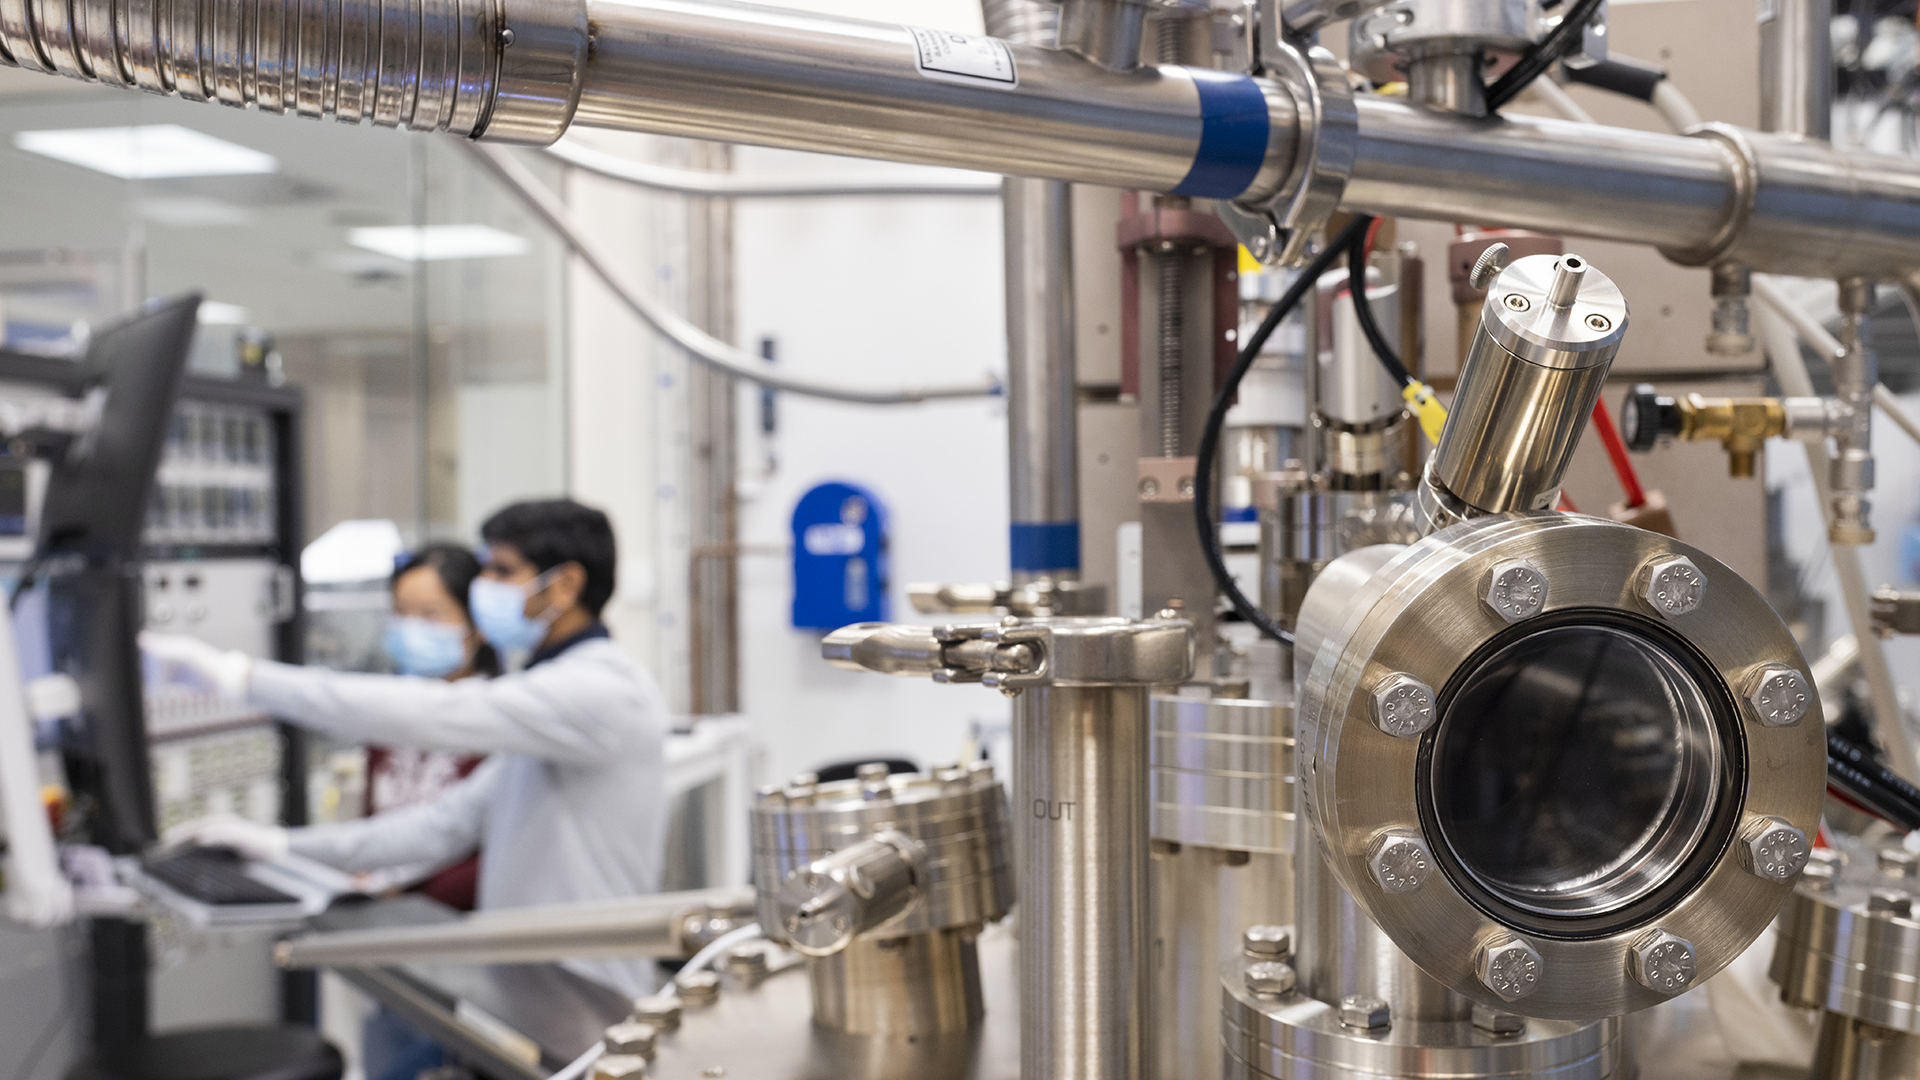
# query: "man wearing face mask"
570,807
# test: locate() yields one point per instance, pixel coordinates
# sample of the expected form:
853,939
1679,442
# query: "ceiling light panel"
432,243
146,152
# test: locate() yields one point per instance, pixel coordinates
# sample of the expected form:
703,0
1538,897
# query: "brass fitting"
1741,425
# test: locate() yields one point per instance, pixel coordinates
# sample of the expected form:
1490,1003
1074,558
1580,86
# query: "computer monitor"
90,539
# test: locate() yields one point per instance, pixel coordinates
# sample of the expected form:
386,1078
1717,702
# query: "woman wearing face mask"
571,806
431,635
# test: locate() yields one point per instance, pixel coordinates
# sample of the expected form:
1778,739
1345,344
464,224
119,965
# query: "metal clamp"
991,655
1281,230
1746,181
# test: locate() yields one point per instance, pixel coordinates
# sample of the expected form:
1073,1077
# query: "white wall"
875,292
869,291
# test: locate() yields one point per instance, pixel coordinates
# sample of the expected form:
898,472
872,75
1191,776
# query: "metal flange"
1563,928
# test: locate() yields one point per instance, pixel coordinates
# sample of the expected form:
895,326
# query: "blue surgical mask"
425,647
500,612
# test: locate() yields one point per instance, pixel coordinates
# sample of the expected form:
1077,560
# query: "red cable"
1617,451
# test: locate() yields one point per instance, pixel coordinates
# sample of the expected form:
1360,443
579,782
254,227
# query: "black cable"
1542,56
1363,307
1217,418
1860,776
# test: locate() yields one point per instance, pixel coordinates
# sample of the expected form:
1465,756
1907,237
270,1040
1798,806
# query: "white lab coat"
571,807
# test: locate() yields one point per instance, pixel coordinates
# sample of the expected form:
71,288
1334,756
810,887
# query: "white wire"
699,344
719,946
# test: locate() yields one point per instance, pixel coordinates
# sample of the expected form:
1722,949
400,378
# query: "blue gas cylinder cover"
839,557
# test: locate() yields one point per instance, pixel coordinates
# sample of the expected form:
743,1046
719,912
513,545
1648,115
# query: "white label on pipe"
968,59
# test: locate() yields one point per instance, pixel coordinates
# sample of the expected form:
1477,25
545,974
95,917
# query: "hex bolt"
1773,849
620,1067
1364,1013
749,964
1516,302
1890,902
1509,967
1400,861
1402,705
660,1011
1673,586
1494,1022
1779,695
1819,874
697,988
1270,979
1897,862
771,795
1661,962
631,1038
1516,590
1267,942
1598,323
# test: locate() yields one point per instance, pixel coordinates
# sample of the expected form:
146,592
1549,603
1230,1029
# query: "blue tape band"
1045,545
1233,135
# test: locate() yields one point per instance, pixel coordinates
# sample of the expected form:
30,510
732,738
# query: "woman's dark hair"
456,567
553,532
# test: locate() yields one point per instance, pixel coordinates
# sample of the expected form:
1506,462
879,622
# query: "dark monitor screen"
95,509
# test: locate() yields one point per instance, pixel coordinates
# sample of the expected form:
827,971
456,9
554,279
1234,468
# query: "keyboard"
213,876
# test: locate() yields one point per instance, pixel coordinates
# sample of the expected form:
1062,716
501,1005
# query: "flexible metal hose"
1023,22
429,65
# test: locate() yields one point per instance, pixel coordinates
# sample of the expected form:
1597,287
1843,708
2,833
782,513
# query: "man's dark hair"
552,532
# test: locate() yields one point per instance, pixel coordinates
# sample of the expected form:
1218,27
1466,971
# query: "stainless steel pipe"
1080,798
775,77
655,925
1779,204
712,70
1796,68
1043,452
1043,446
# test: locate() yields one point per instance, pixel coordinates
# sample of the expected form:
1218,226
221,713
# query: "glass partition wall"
418,308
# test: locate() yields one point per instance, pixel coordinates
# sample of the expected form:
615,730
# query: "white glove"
37,900
262,843
223,669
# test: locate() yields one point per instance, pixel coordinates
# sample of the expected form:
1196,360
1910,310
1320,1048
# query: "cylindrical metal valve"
1548,331
824,905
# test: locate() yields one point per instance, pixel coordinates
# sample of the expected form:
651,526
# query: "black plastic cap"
1620,74
1645,417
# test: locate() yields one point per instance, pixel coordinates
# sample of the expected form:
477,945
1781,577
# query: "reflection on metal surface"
884,882
1568,840
767,1032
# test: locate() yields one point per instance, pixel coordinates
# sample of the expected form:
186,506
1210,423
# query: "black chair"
844,770
285,1052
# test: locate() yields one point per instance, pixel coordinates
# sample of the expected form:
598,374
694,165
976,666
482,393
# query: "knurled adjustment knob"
1646,417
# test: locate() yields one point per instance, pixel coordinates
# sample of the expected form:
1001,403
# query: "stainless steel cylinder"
1081,803
1850,1049
776,77
883,881
1796,68
1849,941
1293,1036
1350,387
1222,826
1548,331
1042,394
909,987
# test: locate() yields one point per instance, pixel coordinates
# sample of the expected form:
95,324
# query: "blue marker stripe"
1044,545
1233,135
